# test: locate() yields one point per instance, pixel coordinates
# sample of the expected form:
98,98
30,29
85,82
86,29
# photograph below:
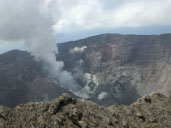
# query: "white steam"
78,49
102,95
87,78
32,22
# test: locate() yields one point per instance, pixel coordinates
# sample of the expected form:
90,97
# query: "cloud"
92,14
143,13
74,16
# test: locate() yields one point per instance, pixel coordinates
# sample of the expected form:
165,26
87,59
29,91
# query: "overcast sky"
75,19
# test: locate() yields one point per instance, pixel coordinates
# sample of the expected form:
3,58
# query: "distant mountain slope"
111,68
22,80
151,111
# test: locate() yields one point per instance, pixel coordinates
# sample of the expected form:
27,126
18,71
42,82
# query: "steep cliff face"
121,67
151,111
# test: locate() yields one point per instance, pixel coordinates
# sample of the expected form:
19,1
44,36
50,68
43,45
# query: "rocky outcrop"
150,111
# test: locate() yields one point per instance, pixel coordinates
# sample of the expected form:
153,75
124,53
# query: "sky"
76,19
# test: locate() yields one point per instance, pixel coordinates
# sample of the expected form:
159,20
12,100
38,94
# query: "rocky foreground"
151,111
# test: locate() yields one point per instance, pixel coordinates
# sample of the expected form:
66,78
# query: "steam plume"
102,95
32,22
